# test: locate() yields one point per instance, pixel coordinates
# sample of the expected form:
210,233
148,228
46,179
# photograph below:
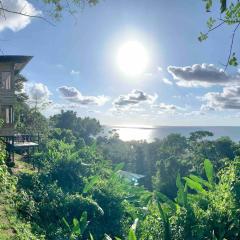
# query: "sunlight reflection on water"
129,134
149,134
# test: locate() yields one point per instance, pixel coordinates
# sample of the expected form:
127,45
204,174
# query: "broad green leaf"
132,230
131,235
194,185
90,184
181,193
134,226
178,182
76,227
83,223
91,236
165,199
146,197
118,167
106,237
66,223
200,180
208,167
167,234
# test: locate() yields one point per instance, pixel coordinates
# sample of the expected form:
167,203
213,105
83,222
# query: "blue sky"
74,65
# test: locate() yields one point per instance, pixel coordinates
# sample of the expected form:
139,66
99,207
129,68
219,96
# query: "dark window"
7,113
5,80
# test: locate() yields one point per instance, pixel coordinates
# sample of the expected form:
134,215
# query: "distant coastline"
150,133
163,126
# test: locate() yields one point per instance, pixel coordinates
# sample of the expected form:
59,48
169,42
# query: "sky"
128,62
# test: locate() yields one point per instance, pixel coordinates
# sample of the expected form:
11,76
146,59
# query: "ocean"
150,133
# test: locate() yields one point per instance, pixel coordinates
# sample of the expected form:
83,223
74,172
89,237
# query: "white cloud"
73,95
167,81
135,97
38,94
74,72
201,75
16,22
195,113
229,98
59,65
163,107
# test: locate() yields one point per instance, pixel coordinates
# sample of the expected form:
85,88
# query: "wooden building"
10,66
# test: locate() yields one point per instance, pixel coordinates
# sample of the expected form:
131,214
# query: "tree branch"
231,46
26,15
217,26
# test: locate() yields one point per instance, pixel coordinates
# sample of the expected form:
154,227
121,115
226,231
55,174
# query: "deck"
19,142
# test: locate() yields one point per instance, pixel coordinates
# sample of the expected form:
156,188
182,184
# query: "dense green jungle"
71,187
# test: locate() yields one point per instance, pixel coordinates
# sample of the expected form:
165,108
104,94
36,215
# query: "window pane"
7,115
5,80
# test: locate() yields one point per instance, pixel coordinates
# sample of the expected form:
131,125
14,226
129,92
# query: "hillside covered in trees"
83,184
71,188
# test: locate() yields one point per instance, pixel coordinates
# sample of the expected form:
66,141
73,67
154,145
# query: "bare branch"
231,46
217,26
26,15
3,11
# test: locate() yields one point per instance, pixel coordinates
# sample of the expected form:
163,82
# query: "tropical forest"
125,158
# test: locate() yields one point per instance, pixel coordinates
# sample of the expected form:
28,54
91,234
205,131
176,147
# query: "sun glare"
132,58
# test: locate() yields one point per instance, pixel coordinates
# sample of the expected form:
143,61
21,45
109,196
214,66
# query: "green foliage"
208,166
229,12
78,227
233,60
208,4
59,6
77,193
81,128
202,37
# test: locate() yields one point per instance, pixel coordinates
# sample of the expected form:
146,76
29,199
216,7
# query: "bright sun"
132,58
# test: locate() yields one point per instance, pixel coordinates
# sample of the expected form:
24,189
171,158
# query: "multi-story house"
10,66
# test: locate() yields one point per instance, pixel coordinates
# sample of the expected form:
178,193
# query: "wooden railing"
22,138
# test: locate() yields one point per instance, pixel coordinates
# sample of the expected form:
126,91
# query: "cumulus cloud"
167,81
38,92
73,95
16,22
38,95
201,75
163,107
134,98
229,98
195,113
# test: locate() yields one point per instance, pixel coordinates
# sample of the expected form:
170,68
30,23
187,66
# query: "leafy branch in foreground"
230,16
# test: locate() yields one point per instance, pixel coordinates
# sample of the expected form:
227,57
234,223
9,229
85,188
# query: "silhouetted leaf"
233,60
223,5
202,37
